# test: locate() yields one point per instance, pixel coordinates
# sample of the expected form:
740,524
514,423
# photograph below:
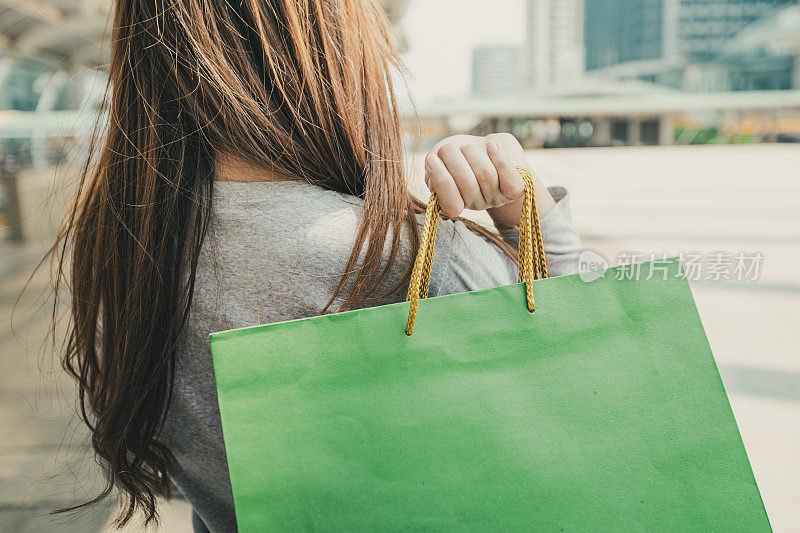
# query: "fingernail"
492,147
432,162
429,162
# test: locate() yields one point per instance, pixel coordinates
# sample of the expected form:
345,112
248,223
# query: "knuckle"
445,149
515,189
469,148
439,178
503,164
451,209
483,173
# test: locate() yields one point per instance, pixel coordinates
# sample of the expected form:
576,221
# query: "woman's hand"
469,172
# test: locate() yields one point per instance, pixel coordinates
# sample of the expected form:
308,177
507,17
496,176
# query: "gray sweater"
276,251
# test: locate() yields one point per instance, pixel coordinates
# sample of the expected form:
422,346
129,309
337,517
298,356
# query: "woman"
252,170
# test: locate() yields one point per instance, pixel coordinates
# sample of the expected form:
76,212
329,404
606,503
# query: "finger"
485,174
505,140
458,140
510,182
441,182
428,172
461,172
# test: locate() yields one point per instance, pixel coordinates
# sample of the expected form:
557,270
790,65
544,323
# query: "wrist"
506,216
509,215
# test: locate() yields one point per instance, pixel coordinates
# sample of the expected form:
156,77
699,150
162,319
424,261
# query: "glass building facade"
658,40
619,31
704,26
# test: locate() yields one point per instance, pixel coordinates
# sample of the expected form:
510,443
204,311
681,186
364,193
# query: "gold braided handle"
532,261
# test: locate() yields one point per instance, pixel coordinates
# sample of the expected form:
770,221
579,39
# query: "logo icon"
591,266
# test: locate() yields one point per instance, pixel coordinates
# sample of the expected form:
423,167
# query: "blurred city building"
495,70
53,55
764,55
554,43
623,32
589,73
690,44
630,72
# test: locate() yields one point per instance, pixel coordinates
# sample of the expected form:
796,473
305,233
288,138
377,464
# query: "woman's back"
155,254
275,251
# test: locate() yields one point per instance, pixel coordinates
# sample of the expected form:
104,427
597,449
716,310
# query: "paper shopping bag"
602,410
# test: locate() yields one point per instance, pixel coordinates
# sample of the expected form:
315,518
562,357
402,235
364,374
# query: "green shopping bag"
602,410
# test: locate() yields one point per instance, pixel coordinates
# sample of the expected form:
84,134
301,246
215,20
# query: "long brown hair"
300,88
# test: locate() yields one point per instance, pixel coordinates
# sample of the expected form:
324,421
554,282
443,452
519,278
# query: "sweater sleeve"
464,261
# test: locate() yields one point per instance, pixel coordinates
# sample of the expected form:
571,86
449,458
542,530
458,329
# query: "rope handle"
532,261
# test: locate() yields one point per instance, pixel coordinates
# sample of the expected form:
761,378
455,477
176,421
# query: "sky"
441,35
